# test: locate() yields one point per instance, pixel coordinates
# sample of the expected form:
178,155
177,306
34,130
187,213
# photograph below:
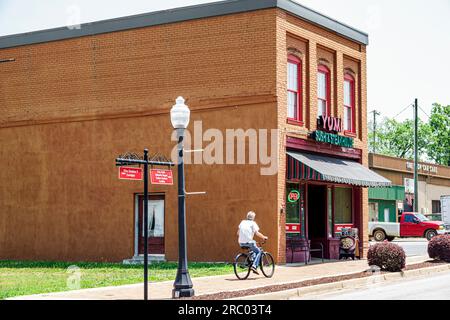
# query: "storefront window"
294,210
343,206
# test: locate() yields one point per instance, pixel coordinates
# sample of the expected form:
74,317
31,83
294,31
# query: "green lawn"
19,278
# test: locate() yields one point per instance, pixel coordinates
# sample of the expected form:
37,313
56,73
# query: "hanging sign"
293,196
160,176
335,139
130,173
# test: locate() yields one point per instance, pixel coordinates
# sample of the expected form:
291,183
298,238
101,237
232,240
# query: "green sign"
335,139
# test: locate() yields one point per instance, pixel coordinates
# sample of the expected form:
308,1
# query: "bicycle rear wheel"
267,265
241,266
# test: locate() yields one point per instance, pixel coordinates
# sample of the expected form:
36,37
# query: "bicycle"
244,261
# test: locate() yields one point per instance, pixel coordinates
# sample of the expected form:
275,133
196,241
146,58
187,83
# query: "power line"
424,112
410,105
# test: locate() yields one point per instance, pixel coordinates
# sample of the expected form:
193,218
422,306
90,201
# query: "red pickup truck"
411,225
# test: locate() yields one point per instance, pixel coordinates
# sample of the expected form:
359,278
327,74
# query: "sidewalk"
216,284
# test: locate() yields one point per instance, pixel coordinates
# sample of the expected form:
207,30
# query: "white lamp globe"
180,114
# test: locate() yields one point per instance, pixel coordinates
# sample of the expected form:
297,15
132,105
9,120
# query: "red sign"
159,176
338,227
293,228
129,173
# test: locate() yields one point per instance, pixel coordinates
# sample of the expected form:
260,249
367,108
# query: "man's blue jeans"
254,248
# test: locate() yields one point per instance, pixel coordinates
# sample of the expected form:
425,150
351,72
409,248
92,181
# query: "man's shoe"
255,271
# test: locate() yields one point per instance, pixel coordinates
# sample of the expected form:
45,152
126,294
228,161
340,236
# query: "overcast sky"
408,54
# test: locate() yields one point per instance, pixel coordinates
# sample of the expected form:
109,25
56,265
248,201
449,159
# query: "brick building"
433,183
74,99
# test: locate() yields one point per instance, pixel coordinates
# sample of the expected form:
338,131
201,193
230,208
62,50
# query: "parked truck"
412,225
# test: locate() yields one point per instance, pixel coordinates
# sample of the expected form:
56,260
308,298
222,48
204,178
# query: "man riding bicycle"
247,229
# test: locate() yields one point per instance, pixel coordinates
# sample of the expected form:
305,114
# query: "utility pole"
416,157
375,114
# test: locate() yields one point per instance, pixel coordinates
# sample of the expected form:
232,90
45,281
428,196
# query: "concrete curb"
346,284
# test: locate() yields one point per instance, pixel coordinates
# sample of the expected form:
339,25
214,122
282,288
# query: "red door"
408,226
156,217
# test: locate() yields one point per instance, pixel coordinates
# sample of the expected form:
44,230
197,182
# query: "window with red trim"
294,89
349,104
323,91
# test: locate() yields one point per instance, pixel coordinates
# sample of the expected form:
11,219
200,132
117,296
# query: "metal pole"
416,157
375,114
146,224
182,286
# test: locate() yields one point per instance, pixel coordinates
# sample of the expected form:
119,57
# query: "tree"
396,139
439,144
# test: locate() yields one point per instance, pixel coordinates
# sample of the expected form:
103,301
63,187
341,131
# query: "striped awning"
304,166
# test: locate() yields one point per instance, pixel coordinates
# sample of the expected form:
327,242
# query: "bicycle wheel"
241,266
267,265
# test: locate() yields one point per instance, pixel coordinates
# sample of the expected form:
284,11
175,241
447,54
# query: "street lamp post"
182,287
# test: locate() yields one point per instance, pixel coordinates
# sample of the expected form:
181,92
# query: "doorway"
156,219
317,215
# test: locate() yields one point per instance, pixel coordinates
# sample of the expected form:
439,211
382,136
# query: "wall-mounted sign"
422,167
335,139
409,185
329,124
293,196
160,176
130,173
293,228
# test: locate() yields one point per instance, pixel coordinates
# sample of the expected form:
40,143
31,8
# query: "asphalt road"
412,247
434,287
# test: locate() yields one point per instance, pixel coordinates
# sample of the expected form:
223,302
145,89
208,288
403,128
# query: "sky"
408,53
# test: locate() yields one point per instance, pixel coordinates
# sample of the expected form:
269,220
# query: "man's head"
251,215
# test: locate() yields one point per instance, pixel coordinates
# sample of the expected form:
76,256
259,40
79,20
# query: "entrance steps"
152,258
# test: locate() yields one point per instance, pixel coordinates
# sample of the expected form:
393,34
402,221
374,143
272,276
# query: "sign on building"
409,185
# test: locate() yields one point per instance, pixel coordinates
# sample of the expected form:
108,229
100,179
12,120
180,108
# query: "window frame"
349,78
298,62
324,69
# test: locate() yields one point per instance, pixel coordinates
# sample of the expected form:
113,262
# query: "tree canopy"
394,138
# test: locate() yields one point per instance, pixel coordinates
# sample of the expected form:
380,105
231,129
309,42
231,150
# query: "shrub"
387,256
439,248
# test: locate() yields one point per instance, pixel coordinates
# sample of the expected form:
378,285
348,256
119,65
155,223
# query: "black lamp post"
182,287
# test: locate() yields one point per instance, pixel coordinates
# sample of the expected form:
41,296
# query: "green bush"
387,256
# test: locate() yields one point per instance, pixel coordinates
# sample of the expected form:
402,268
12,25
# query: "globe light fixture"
180,114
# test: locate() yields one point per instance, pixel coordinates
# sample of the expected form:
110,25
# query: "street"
434,287
412,247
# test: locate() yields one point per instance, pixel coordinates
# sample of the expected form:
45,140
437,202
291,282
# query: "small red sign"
130,173
293,228
159,176
338,227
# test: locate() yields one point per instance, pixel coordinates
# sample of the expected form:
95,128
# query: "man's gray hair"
251,215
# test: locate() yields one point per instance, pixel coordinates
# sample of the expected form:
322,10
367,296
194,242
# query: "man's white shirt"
247,230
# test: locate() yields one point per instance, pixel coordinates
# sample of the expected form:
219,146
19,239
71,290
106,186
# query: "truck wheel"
379,235
429,234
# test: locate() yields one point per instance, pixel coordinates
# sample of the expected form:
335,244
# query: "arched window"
349,104
294,89
323,91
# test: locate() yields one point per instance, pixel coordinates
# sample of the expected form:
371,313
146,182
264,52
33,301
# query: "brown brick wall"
338,54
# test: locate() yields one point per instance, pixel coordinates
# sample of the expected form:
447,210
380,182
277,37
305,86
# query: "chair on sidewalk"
304,245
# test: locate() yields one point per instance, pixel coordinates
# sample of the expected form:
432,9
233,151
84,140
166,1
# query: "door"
407,226
156,218
387,214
